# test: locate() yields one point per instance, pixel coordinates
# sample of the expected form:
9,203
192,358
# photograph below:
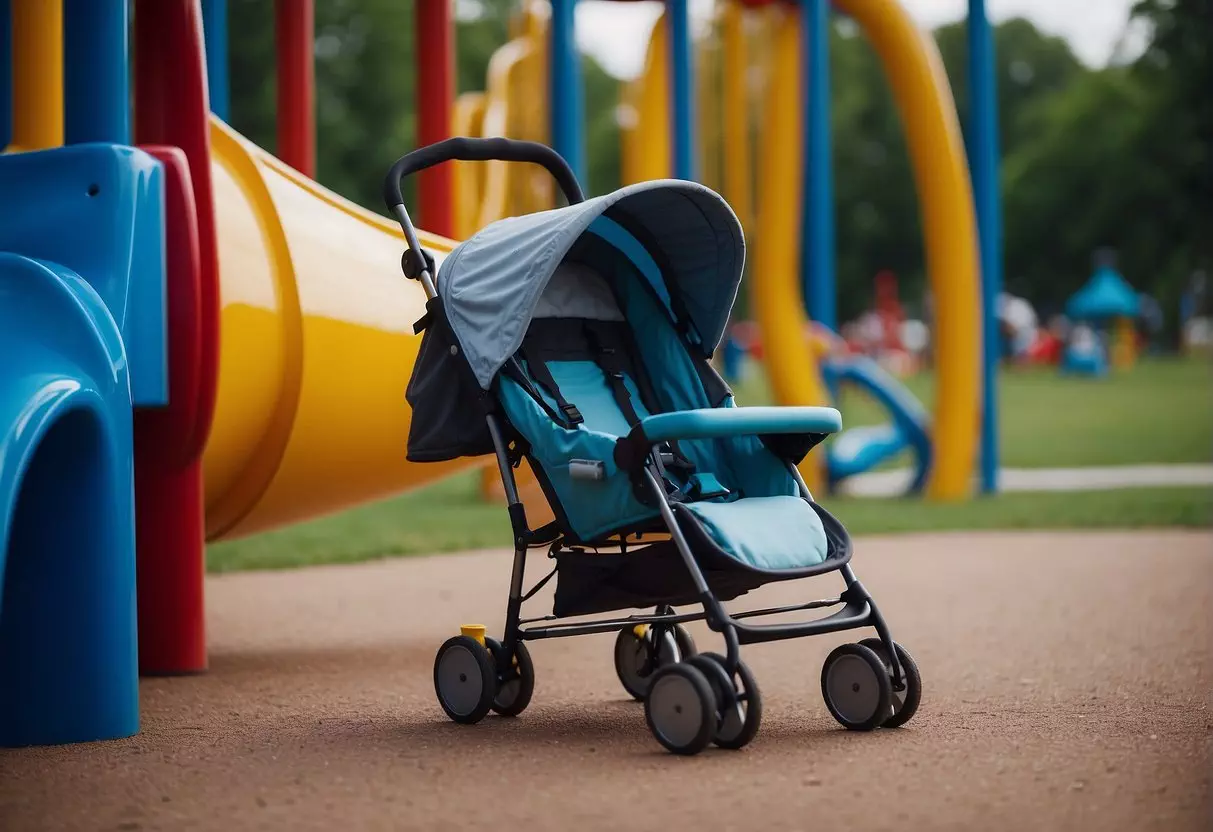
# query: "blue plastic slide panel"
709,423
68,646
98,209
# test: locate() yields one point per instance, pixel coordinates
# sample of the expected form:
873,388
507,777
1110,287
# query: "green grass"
451,516
1161,411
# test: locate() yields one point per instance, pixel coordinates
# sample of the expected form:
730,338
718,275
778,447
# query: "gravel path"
1067,682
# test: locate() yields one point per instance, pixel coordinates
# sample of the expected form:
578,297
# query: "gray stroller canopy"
682,237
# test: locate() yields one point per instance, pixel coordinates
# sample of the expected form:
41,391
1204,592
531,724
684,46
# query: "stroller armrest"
710,423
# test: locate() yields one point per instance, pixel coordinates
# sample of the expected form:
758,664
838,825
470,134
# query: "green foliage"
1118,156
365,87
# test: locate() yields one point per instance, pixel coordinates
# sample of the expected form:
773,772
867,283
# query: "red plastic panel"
169,429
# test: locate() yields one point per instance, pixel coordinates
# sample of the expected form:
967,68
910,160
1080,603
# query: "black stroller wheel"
680,709
640,651
515,683
905,701
855,685
739,709
465,679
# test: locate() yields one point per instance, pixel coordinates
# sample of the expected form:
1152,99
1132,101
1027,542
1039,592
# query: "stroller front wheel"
465,679
855,685
680,709
641,651
905,701
738,700
516,682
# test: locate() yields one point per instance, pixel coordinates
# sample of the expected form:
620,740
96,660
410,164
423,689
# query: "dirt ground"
1067,686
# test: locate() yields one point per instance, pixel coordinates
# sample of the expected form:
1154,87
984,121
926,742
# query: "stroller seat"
591,371
765,532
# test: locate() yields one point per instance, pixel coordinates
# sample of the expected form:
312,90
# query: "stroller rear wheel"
465,679
680,708
641,651
855,685
515,682
906,700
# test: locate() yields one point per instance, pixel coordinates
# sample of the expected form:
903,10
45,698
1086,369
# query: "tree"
365,91
1030,66
1175,142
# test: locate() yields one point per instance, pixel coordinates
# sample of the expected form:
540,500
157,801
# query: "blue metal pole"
214,30
682,82
96,72
983,156
6,74
817,263
567,95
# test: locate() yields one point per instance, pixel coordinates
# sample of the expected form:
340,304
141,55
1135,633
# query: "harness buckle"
571,413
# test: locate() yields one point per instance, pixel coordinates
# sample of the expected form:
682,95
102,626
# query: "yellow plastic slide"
316,348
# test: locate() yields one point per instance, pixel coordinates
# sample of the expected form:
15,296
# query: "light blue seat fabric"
766,532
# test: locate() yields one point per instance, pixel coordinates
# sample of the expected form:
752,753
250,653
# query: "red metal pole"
171,122
435,51
294,30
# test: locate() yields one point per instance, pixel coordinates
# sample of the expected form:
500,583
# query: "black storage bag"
449,408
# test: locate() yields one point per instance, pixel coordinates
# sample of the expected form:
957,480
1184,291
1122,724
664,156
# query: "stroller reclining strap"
543,377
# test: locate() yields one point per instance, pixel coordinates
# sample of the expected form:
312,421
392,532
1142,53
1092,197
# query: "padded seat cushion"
765,532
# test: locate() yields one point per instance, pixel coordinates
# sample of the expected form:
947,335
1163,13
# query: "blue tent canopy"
1105,295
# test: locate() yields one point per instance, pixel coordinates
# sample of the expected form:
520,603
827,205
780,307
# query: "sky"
617,34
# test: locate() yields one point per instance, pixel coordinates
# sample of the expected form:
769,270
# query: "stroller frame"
857,607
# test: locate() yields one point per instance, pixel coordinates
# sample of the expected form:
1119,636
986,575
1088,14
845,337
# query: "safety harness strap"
612,365
543,377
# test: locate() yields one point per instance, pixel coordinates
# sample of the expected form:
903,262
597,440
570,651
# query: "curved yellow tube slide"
924,99
778,299
316,348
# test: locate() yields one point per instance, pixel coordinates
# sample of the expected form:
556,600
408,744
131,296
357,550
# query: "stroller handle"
465,149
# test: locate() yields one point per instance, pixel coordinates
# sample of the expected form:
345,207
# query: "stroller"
579,339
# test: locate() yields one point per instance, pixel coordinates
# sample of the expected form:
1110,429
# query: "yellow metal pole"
647,152
920,88
736,121
707,84
1124,343
37,74
468,120
775,280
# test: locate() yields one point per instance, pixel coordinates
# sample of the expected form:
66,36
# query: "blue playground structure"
865,447
82,247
